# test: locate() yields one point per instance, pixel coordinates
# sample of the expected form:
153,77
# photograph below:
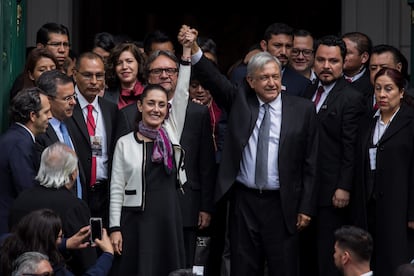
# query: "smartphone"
96,229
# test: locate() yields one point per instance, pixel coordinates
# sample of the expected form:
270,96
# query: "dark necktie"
318,95
90,122
263,150
67,141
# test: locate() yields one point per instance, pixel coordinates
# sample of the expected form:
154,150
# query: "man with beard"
339,107
30,112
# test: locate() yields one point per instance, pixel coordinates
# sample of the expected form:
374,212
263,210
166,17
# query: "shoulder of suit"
297,100
296,75
103,101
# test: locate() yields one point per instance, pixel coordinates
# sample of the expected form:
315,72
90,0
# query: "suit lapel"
51,134
80,121
107,121
288,113
401,119
254,106
330,100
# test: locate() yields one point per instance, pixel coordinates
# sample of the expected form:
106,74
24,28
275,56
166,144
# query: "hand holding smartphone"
96,229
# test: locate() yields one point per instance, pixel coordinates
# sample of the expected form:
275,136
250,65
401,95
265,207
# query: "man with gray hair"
57,174
32,263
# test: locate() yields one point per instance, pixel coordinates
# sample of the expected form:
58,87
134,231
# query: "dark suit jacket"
97,199
74,213
50,137
364,86
199,161
18,167
297,146
338,117
79,133
393,189
294,82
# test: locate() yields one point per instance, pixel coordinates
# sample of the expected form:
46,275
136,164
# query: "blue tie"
66,139
263,150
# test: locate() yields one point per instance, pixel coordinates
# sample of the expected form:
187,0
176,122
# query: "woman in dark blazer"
384,190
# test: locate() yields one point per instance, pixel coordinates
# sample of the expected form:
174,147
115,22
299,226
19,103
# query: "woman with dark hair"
384,191
144,215
38,61
103,43
124,80
41,231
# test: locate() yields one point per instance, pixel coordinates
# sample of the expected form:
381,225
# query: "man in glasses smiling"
301,56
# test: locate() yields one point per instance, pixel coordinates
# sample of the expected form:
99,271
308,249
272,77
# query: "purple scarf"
162,146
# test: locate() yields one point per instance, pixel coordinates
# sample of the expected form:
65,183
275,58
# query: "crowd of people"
297,161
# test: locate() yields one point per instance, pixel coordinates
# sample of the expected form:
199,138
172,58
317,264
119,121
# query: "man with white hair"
57,174
32,263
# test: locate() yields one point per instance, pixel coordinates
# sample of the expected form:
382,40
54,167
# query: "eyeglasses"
305,52
69,98
89,76
59,44
168,71
38,274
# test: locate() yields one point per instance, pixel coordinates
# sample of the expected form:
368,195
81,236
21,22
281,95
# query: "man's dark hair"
397,55
332,40
157,36
363,41
355,239
42,35
49,80
304,33
104,40
25,102
276,29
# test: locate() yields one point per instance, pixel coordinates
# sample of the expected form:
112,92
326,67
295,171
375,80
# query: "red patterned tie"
318,95
90,122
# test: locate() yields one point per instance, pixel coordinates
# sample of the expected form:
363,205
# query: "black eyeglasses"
89,76
58,44
69,98
305,52
168,71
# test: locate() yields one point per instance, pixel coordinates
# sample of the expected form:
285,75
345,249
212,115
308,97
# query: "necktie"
318,95
263,149
90,122
348,79
66,140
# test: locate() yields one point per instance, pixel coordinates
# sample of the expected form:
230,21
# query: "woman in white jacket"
145,217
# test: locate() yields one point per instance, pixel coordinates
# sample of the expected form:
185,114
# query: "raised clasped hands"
187,36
